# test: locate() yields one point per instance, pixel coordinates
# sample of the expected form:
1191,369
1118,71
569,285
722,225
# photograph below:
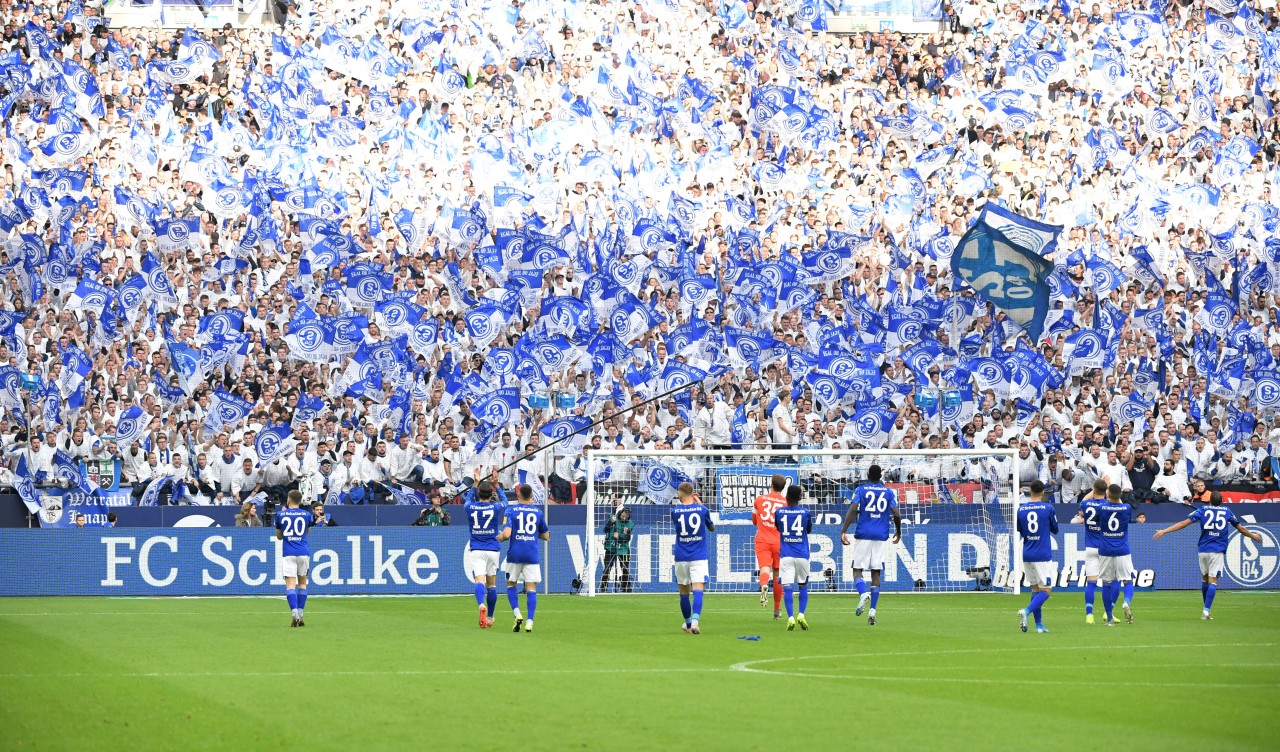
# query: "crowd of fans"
417,140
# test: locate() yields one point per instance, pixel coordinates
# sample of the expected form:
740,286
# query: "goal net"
957,507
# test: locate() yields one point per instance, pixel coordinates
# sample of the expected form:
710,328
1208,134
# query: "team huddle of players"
782,549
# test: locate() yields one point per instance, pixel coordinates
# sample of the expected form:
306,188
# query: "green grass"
616,673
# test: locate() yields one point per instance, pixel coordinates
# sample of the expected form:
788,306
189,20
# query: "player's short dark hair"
1113,493
793,495
685,489
1036,487
484,489
779,482
1215,498
294,498
1100,486
525,493
873,473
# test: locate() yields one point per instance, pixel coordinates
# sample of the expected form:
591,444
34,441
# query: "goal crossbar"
592,541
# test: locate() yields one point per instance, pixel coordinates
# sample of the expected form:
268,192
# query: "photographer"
322,519
617,548
433,516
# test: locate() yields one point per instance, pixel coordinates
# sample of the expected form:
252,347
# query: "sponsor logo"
1251,563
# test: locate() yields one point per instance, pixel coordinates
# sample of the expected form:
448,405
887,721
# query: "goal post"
958,506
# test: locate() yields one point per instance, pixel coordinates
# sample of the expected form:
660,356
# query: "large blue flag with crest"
1002,258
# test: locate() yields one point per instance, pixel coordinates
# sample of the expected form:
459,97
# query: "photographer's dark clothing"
1143,475
434,517
617,549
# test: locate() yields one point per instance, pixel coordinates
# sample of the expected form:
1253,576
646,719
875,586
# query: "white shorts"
869,554
691,572
1092,564
793,569
1042,573
482,564
517,572
1116,569
295,566
1211,564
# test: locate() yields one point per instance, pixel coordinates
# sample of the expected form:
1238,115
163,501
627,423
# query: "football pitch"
616,672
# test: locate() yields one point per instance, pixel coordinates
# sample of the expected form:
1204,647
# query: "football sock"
790,599
1128,593
491,599
875,596
291,595
513,598
302,598
861,584
1115,594
479,593
764,579
1209,592
531,596
1090,593
685,608
1204,593
804,598
777,594
697,604
1037,600
1108,601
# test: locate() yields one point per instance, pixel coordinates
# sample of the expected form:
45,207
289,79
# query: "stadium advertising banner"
739,487
348,560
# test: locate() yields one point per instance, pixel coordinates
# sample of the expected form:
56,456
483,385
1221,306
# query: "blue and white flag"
1085,349
871,426
499,407
131,427
227,409
90,295
564,428
1002,258
272,443
177,233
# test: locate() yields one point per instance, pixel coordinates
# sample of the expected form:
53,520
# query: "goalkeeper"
617,549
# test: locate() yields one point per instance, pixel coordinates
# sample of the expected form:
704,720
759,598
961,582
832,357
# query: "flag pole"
667,393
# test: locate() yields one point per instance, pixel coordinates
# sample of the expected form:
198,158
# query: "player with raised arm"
524,525
292,525
794,524
484,517
1114,555
1037,524
767,546
1088,514
1216,522
692,522
873,503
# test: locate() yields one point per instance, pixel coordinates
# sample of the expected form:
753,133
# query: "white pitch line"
750,667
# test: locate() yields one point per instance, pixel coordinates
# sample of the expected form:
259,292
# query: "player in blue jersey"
292,525
1114,555
692,522
1037,524
1088,514
524,525
873,503
794,523
484,517
1216,523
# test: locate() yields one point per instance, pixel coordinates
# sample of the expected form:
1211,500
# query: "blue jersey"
526,523
1037,524
294,525
485,520
691,521
1215,528
1114,521
794,525
874,501
1092,525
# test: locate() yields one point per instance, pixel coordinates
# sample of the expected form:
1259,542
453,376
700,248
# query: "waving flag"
272,443
131,427
177,233
499,407
871,426
1002,258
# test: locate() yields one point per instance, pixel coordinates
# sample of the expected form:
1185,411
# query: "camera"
268,513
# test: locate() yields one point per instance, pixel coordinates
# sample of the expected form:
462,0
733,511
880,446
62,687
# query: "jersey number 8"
1033,522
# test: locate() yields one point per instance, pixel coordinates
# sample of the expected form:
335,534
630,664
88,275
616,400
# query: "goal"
958,511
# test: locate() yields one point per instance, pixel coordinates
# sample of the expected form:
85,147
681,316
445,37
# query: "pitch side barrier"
380,560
